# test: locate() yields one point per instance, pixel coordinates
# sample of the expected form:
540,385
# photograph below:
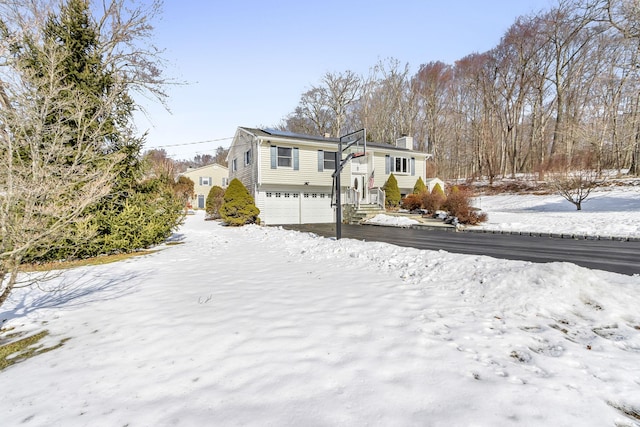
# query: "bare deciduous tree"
342,90
55,157
46,183
575,186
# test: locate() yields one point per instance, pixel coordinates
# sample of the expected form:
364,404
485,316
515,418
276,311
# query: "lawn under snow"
611,212
269,327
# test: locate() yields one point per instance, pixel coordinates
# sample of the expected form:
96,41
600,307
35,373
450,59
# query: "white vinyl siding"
307,171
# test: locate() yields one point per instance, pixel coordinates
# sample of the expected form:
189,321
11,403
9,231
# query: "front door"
359,185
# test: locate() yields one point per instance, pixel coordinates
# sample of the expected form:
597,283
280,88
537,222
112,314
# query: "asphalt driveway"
609,255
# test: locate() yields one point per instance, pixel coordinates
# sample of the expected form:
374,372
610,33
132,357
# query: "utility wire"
193,143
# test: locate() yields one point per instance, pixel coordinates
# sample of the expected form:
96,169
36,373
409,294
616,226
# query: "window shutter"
200,180
210,181
274,157
320,160
387,164
413,166
296,163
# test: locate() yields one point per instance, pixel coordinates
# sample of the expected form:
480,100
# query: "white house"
204,178
289,175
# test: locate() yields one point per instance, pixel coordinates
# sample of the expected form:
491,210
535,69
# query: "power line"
193,143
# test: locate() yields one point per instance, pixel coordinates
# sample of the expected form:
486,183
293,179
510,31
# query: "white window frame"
404,163
234,165
247,157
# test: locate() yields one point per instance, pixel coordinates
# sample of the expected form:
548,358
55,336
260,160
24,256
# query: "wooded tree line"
560,91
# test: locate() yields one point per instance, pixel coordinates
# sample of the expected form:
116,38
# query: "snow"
606,212
390,220
266,326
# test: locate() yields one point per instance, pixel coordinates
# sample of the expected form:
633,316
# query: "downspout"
256,167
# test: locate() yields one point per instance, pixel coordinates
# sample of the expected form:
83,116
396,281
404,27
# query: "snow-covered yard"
611,212
264,326
606,212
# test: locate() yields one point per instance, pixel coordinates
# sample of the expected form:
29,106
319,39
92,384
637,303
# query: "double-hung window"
326,160
284,157
247,157
401,165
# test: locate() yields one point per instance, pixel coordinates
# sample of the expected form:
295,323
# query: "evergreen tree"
136,213
239,207
437,189
73,39
392,192
420,187
215,198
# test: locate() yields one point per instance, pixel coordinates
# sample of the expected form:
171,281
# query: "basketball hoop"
355,145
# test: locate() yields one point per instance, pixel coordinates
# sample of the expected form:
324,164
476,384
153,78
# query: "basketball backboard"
354,143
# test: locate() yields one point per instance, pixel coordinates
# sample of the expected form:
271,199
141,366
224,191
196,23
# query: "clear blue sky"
246,63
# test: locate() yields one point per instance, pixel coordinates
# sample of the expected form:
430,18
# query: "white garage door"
316,208
280,207
294,207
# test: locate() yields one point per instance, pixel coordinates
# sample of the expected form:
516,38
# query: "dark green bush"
392,192
239,207
419,187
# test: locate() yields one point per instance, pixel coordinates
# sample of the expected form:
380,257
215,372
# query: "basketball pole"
338,197
340,162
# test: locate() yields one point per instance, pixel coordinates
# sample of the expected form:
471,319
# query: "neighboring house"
204,178
289,175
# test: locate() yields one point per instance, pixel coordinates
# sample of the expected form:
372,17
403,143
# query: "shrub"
433,201
215,199
184,188
420,187
239,207
458,204
392,192
438,189
412,202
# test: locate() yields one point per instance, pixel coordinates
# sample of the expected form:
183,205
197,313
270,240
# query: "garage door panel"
316,208
281,207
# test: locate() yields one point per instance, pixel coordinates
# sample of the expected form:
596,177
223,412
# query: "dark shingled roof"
292,135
